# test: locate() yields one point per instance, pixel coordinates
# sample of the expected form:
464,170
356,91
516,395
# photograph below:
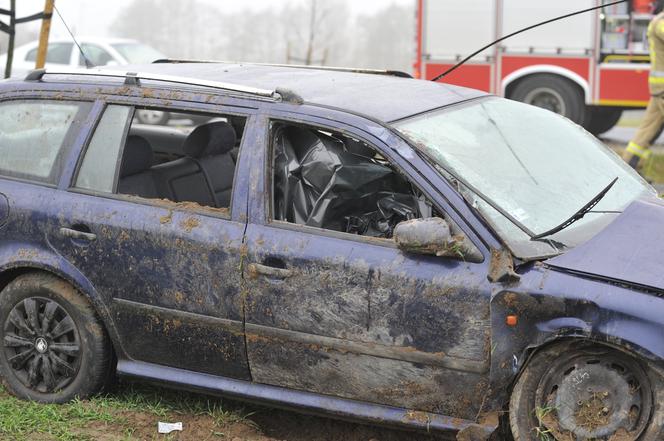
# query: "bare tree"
306,32
386,40
316,30
190,29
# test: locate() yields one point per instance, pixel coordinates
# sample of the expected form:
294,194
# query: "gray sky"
93,17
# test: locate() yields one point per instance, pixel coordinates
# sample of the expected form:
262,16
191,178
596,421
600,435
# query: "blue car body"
360,329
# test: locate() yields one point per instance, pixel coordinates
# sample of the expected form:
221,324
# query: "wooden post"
12,33
43,35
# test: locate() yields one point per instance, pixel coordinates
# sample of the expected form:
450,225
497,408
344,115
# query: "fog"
368,33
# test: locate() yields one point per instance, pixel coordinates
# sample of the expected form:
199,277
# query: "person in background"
638,150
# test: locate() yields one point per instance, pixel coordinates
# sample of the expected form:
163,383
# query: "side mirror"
432,236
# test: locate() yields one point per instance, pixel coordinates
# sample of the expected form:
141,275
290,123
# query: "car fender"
538,320
24,256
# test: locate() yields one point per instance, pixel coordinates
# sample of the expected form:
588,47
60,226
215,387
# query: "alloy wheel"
41,344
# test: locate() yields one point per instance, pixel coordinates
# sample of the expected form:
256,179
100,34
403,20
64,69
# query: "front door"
170,269
334,307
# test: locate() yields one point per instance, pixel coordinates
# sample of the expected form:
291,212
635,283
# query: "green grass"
110,414
18,419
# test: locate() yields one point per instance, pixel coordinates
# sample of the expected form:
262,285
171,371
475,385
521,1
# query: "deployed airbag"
320,183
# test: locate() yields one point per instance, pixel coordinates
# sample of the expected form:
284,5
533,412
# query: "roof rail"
394,73
133,79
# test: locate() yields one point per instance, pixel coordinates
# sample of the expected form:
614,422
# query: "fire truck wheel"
553,93
602,119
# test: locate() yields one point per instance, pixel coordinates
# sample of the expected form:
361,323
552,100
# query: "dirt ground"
265,425
133,410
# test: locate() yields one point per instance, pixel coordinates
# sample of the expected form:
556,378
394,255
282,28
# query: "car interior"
182,164
332,181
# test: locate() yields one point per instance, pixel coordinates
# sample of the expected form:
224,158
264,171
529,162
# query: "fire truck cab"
589,67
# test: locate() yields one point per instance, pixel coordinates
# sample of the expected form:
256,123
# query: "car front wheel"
54,348
585,393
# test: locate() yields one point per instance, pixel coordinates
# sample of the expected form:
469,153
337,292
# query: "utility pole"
12,34
44,33
312,25
10,29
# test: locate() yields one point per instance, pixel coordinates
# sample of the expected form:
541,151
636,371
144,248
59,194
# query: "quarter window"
34,136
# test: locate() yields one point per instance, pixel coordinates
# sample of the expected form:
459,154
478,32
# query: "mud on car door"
168,263
332,305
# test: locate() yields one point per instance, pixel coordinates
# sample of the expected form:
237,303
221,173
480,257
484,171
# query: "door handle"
77,234
256,269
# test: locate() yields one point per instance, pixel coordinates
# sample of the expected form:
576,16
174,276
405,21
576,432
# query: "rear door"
169,269
345,314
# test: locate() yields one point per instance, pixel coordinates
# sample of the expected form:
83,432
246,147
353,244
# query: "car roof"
382,97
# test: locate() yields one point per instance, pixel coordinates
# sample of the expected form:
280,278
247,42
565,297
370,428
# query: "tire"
580,392
152,117
38,372
602,119
553,93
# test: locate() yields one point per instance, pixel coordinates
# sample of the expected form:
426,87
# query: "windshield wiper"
579,214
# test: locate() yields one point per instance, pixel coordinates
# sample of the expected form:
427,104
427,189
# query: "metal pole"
43,35
12,33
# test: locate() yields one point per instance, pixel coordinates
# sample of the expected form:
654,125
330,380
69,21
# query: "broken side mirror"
433,236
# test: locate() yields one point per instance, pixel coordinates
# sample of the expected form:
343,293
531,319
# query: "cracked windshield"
528,162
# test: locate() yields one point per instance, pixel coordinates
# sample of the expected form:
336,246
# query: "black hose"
461,63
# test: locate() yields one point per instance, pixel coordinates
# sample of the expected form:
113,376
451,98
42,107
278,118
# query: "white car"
99,51
63,53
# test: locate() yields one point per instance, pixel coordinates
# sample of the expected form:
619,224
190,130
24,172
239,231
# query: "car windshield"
137,53
530,163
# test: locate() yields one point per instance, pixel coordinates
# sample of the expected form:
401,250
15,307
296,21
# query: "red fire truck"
589,67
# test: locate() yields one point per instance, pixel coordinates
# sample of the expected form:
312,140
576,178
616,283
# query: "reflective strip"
637,150
657,74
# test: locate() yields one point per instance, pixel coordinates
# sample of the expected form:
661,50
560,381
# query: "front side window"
329,180
532,164
188,158
97,55
35,135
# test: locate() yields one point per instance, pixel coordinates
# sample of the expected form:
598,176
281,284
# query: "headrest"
214,138
137,156
359,148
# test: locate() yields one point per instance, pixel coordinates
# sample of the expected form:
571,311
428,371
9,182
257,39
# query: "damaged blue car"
353,243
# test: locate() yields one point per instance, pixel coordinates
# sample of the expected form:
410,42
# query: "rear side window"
59,53
35,136
182,157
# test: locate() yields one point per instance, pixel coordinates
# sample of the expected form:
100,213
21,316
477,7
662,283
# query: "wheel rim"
594,396
547,99
41,344
150,116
